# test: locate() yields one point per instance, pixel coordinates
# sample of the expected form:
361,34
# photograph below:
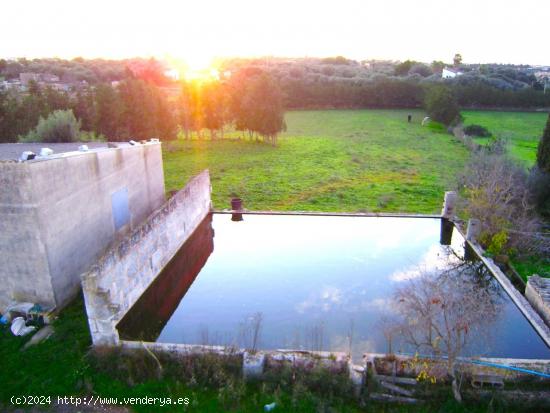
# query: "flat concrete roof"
13,151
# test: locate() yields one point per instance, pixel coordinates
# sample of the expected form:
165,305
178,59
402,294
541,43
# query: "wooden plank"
395,379
396,389
390,398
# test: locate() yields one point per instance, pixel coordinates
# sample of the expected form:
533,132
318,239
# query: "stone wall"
120,277
58,216
538,294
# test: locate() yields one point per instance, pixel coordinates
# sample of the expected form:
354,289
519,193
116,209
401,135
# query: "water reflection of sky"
318,280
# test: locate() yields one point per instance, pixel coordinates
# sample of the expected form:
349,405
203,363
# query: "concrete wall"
538,294
57,216
120,277
24,270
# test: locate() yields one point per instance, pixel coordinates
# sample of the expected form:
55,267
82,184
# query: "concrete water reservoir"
321,283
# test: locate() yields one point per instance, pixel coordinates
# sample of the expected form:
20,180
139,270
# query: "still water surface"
317,283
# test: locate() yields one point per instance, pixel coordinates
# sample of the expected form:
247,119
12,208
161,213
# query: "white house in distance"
449,73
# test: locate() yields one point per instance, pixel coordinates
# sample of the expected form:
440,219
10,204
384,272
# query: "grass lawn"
352,160
521,129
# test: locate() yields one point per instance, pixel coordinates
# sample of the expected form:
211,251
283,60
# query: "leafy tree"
84,108
457,59
59,126
214,106
8,107
165,117
184,110
437,66
402,69
108,111
543,151
264,101
441,105
421,69
137,118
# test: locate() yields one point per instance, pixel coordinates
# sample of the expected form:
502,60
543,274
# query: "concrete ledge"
328,214
537,292
407,365
119,278
255,363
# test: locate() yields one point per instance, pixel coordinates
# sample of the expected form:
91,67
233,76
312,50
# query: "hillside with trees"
133,98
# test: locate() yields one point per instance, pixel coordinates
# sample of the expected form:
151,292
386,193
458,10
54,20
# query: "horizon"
424,31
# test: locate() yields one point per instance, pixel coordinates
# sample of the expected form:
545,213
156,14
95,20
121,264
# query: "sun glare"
194,68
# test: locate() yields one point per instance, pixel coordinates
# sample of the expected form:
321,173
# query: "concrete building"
58,214
450,73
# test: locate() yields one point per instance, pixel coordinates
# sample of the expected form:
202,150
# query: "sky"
483,31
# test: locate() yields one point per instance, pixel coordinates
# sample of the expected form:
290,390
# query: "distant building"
450,73
49,78
542,75
25,78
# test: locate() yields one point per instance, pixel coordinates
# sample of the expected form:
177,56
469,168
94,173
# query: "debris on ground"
40,336
19,328
270,407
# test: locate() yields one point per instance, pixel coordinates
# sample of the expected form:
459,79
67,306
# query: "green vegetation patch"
522,130
352,160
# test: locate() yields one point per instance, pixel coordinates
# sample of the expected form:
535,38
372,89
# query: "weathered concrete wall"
538,294
58,216
24,270
116,282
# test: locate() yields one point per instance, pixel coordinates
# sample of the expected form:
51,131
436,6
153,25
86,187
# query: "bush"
477,130
59,126
420,69
497,193
441,105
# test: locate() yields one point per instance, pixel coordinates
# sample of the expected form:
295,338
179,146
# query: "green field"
353,160
522,130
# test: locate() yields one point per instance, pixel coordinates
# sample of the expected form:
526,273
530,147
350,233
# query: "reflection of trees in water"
249,332
441,311
315,336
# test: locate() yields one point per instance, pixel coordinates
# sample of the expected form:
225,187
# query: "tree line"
249,101
343,83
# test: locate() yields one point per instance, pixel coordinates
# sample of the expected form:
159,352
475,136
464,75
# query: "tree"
184,110
8,109
84,107
457,59
59,126
543,150
437,66
262,108
108,111
213,104
441,105
420,69
402,69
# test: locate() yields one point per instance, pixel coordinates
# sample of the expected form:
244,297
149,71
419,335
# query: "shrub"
477,130
421,69
496,191
59,126
441,105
